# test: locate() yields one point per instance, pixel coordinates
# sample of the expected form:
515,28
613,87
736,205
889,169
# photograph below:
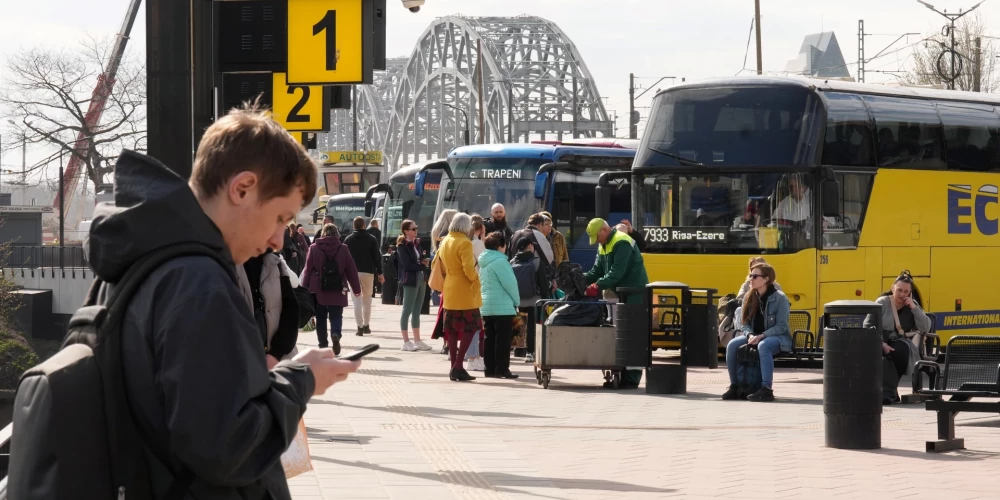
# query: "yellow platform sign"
304,108
358,157
330,42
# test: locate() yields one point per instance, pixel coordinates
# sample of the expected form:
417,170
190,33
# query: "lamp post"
951,31
466,115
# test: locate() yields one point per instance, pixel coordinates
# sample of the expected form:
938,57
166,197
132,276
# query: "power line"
747,53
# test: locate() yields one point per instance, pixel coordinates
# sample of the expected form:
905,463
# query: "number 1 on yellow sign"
326,41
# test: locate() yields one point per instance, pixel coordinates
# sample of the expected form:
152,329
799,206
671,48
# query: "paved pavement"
399,429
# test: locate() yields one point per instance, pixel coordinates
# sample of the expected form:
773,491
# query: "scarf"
543,245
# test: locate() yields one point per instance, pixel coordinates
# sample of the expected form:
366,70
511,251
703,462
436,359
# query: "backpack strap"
120,424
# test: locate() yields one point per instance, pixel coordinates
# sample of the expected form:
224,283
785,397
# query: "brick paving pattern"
399,429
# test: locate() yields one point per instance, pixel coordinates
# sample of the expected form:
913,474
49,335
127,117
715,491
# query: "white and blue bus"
527,178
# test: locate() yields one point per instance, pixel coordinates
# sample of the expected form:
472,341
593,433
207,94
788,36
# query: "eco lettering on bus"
962,214
495,173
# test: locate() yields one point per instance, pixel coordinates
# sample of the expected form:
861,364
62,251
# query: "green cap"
594,227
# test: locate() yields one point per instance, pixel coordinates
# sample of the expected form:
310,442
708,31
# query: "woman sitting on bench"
765,325
902,320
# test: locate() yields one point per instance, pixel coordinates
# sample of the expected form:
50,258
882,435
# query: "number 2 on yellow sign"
300,107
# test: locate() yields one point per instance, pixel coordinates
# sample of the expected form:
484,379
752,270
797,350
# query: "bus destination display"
661,235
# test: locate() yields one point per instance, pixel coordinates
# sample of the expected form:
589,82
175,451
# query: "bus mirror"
831,198
540,181
418,184
602,203
369,206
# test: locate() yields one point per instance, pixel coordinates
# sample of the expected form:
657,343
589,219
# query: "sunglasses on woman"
755,276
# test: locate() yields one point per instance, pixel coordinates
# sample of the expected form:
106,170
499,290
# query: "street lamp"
466,115
951,19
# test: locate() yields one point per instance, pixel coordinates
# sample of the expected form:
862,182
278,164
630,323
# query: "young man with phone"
197,383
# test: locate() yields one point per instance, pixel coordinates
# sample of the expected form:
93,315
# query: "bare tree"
46,94
932,58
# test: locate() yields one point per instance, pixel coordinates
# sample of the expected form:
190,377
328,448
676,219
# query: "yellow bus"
839,185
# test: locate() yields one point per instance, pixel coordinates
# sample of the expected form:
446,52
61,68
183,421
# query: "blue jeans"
767,348
336,314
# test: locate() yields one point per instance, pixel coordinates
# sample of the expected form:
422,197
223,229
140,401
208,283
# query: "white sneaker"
408,346
476,364
421,346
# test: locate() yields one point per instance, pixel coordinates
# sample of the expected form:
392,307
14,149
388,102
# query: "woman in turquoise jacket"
500,301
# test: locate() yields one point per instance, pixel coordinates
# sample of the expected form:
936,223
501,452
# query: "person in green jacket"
619,264
500,302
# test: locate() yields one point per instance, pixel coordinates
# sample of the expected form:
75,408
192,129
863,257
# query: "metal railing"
48,256
5,435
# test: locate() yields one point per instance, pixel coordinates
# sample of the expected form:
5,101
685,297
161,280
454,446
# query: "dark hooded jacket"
194,367
330,248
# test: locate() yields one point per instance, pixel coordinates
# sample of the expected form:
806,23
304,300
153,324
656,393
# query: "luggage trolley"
574,347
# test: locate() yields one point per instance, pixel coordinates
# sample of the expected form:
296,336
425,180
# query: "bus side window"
971,135
909,132
844,230
850,138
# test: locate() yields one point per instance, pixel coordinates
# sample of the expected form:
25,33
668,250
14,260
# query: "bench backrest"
799,320
972,363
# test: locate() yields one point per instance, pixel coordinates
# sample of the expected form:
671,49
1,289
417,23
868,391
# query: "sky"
651,38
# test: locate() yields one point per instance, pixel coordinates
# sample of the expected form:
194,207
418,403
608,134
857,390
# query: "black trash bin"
632,334
390,285
852,376
701,327
425,308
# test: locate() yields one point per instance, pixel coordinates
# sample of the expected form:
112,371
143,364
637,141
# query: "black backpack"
524,272
570,279
330,279
78,438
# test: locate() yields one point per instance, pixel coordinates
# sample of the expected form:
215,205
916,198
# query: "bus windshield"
481,182
735,213
729,126
573,206
345,210
405,205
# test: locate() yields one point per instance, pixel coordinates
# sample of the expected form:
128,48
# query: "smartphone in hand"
360,353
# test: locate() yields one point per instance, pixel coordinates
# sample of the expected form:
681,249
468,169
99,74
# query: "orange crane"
105,83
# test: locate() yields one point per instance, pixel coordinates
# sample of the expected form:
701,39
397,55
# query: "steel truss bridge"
535,86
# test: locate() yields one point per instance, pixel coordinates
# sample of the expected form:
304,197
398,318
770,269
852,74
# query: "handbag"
436,280
296,459
915,338
399,294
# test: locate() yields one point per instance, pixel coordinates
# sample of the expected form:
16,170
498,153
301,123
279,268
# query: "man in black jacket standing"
198,386
364,250
498,222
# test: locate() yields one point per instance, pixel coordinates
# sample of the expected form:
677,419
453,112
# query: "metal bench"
971,369
803,339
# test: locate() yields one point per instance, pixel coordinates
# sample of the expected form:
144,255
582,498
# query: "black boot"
336,346
460,375
732,393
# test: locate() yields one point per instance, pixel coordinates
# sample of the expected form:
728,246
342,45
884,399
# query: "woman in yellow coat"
461,296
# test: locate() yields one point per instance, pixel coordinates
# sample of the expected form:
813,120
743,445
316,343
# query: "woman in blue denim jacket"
765,324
